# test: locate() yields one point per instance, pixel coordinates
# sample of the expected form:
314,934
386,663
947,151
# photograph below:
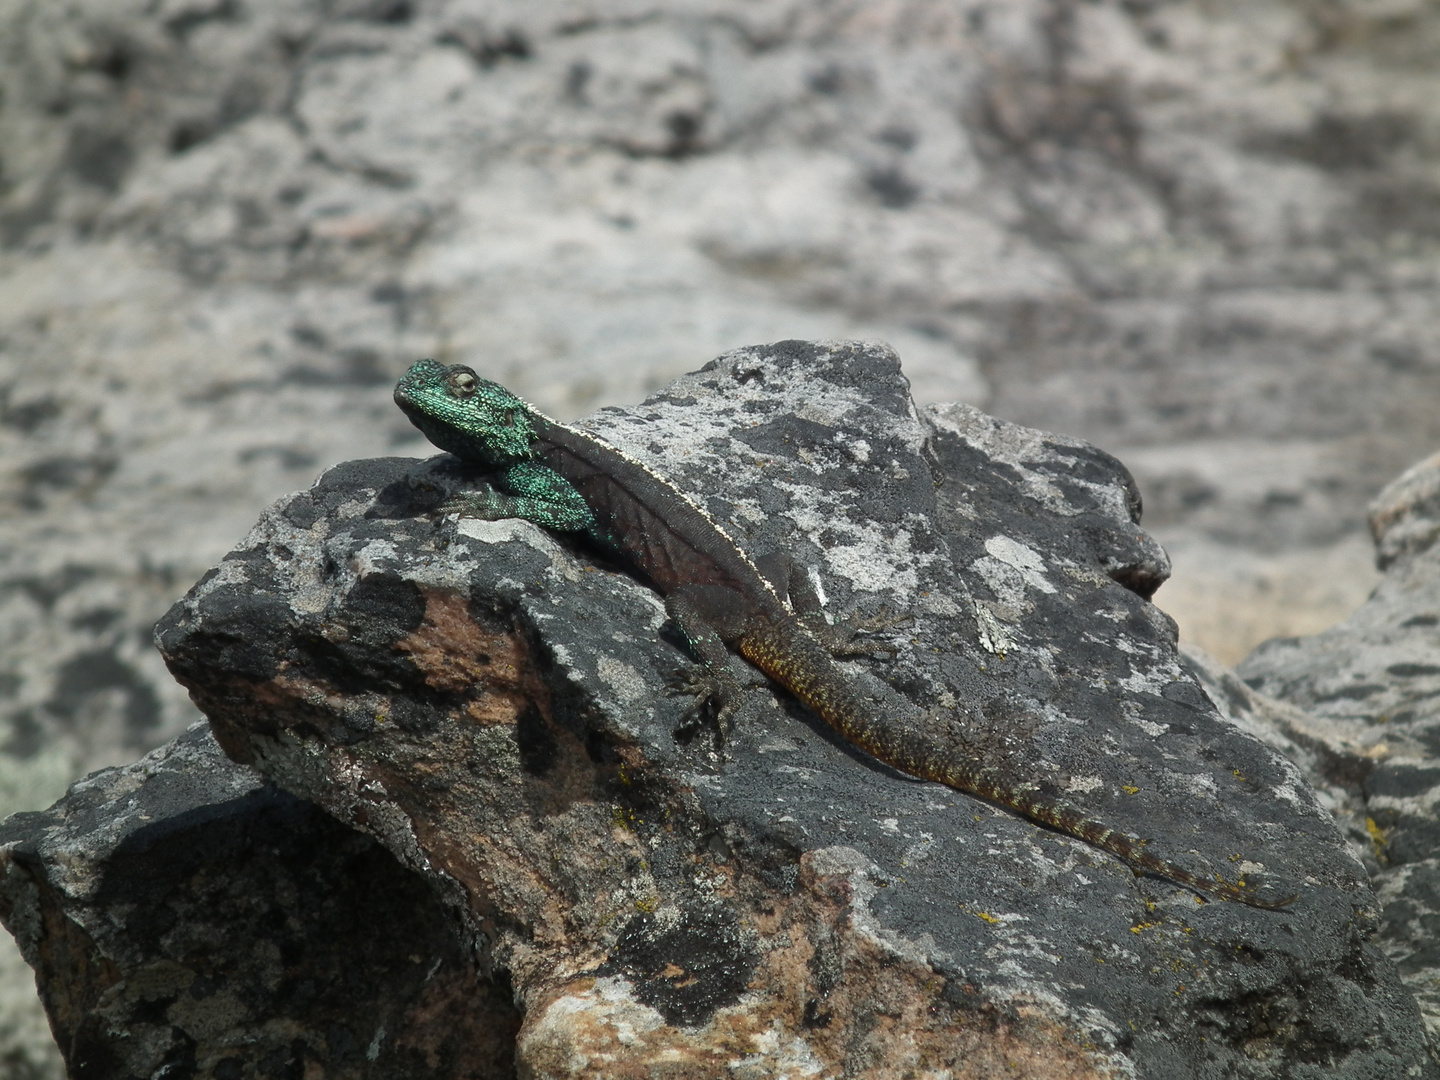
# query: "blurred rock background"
1203,235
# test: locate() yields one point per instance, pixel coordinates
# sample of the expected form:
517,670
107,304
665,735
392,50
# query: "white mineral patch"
355,508
1150,727
1202,784
498,532
1023,558
228,572
994,637
374,556
628,684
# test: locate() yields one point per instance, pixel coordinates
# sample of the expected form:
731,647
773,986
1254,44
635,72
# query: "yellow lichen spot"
1239,776
988,917
625,819
1379,839
1141,926
647,904
1130,790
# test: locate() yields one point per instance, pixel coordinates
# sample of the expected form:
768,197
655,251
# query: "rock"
27,1048
1326,752
187,919
1200,235
1374,681
1405,516
486,702
226,227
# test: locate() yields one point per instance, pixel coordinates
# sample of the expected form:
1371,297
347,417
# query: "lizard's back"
667,538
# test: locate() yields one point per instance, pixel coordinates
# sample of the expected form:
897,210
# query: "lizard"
571,482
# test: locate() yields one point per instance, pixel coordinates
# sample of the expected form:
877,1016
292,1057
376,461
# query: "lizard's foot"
883,619
714,697
842,639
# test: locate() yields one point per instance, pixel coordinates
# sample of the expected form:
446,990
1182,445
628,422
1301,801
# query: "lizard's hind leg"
841,638
708,616
844,638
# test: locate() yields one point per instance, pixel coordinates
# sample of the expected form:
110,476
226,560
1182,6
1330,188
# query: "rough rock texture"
187,919
1374,680
1201,234
487,703
225,226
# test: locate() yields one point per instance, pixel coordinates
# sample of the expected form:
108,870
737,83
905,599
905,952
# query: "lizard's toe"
843,638
714,698
484,504
693,682
884,619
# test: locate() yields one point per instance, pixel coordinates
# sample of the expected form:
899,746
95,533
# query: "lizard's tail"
802,665
1069,820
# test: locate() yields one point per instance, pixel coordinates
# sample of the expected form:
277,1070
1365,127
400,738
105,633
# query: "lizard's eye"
462,384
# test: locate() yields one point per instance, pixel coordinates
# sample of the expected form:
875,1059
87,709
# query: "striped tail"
1069,820
798,662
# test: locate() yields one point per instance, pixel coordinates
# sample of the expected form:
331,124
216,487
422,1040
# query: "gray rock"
1374,681
1326,751
486,702
27,1049
186,919
1202,236
224,227
1405,516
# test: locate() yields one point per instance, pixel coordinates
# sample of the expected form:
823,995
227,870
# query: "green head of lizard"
470,417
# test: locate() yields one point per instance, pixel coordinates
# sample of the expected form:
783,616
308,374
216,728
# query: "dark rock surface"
485,702
1202,235
1374,681
225,227
186,919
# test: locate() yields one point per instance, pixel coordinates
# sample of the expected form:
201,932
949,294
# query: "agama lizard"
572,482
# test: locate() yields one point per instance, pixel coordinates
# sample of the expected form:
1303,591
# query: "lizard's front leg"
531,491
